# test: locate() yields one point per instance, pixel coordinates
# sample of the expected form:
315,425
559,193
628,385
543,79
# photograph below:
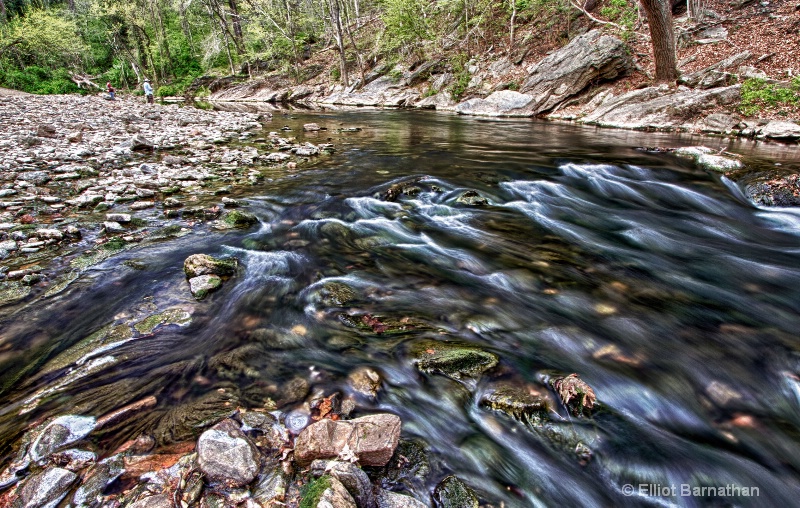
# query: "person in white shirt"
148,91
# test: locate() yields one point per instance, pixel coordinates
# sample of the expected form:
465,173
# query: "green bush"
758,94
460,66
38,80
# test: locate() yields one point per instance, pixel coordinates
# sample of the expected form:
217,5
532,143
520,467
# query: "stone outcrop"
659,107
227,456
590,58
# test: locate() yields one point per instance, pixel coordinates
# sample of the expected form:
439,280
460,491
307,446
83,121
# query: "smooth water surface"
657,282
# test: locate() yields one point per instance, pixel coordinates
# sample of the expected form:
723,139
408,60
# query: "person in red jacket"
110,90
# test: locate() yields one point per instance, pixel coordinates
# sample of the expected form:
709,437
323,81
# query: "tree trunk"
2,10
237,26
338,33
659,17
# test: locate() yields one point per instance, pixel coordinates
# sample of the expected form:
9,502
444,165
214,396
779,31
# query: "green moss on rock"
174,316
311,492
454,493
239,219
452,359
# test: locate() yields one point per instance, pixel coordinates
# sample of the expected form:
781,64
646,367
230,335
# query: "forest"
63,47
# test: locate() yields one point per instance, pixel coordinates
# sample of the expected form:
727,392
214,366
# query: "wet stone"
227,456
203,285
517,402
97,479
452,359
203,264
159,501
388,499
365,381
46,489
59,433
472,198
454,493
351,477
369,439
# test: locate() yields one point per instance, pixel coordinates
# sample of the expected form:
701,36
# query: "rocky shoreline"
573,84
82,179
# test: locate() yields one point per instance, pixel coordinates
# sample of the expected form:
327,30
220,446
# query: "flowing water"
672,296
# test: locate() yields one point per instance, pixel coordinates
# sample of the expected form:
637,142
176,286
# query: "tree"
659,17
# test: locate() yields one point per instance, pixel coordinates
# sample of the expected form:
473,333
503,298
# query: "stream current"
660,284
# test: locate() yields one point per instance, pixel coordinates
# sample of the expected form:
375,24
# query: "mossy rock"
239,219
203,264
472,198
102,338
189,420
312,491
202,285
336,294
454,493
12,292
518,403
174,316
452,359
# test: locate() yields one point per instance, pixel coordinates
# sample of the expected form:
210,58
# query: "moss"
169,317
452,359
454,493
167,191
115,244
137,222
311,492
239,219
517,403
12,292
62,282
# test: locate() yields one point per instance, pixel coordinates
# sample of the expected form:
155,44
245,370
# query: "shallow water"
655,281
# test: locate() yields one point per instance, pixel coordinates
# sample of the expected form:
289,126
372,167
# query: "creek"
657,282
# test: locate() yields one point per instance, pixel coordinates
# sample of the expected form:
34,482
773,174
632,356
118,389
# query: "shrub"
757,94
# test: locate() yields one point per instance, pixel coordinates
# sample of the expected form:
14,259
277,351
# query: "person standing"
148,91
110,90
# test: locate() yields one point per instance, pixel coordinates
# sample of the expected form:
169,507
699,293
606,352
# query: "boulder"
203,264
239,219
472,198
779,130
659,107
589,58
97,479
327,492
502,103
49,234
774,190
202,285
717,74
524,403
227,456
46,489
370,439
707,159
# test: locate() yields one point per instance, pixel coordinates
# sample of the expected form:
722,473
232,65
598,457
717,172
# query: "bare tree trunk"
237,26
511,27
3,12
659,17
338,34
360,60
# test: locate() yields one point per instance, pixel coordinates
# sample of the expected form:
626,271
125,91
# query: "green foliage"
406,25
39,80
513,85
311,492
43,38
758,94
621,12
460,66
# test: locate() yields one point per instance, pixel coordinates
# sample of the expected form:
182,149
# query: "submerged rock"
576,395
370,439
239,219
527,405
452,359
174,316
227,456
203,264
365,381
775,191
472,198
203,285
59,433
454,493
46,489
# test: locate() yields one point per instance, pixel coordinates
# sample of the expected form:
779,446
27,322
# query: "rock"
227,456
388,499
203,264
717,74
408,469
172,203
59,433
277,157
139,142
9,245
113,227
334,495
779,130
46,131
351,477
311,127
202,285
705,158
46,489
157,501
239,219
123,218
454,493
307,150
718,123
589,58
773,190
96,481
365,381
270,488
502,103
35,177
49,234
173,316
453,360
369,439
472,198
575,394
659,108
526,404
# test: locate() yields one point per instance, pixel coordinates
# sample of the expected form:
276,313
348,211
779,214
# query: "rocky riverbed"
82,178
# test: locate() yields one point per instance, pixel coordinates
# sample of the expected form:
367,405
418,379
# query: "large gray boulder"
227,456
659,107
779,130
590,58
370,439
502,103
718,74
